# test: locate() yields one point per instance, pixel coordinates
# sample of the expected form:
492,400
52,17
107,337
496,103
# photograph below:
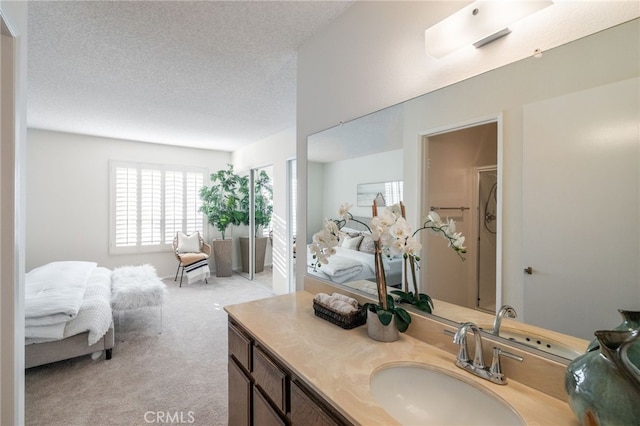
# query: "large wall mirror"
542,156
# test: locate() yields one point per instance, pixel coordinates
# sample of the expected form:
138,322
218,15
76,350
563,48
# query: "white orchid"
325,238
412,247
380,225
393,237
447,230
343,211
324,242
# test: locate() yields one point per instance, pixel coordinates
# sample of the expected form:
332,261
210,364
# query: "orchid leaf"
385,317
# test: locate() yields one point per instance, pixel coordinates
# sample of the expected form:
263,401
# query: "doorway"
452,162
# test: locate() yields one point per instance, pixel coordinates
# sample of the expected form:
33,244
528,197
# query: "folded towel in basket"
336,304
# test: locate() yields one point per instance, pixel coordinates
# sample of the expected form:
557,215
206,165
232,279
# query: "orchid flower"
343,211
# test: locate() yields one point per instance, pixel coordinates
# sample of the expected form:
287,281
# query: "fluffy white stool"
135,287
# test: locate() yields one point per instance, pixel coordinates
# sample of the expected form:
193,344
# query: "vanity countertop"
338,363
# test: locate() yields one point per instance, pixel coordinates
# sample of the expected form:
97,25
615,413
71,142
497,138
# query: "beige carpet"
178,376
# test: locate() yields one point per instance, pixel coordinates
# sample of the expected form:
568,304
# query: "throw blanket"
94,316
136,287
341,268
196,266
54,292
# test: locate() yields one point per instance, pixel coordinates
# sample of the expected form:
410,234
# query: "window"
393,192
150,203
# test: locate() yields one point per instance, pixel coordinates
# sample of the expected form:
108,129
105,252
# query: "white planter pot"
378,331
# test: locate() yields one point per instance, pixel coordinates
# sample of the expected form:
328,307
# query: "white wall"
13,54
68,196
276,151
373,56
336,183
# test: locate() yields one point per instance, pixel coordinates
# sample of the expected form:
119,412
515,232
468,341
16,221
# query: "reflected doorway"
453,159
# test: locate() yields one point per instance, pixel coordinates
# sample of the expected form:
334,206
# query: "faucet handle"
496,369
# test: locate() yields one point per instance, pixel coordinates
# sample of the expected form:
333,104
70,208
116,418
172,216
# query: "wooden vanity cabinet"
306,409
263,393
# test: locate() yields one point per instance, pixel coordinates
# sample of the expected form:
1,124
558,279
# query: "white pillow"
351,242
188,243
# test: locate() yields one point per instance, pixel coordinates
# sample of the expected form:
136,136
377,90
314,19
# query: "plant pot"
378,331
223,256
261,249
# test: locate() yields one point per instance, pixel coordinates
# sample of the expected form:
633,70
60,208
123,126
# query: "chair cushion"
189,258
188,243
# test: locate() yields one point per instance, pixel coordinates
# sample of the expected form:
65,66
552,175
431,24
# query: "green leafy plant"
221,201
391,312
421,301
263,200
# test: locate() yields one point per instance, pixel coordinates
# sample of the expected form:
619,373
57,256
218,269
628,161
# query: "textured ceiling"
210,74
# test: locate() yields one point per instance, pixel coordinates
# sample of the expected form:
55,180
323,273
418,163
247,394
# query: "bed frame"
44,353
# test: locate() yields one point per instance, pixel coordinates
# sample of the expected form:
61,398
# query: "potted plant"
392,235
221,205
385,320
263,211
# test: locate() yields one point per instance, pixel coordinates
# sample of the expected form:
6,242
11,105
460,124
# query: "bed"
354,261
67,312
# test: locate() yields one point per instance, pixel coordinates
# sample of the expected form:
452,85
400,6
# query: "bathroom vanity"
287,366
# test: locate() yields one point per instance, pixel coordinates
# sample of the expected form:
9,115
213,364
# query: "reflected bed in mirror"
392,145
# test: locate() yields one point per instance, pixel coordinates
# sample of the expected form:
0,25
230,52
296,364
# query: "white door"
581,187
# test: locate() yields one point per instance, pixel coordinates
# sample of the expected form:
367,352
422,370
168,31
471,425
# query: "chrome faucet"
460,338
505,310
476,366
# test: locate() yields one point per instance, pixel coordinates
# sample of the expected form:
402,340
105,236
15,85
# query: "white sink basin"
418,394
539,342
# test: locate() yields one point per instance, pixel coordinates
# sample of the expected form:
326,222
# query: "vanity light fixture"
478,23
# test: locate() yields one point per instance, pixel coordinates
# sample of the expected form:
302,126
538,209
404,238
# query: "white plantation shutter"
150,206
126,206
393,192
173,204
192,216
150,203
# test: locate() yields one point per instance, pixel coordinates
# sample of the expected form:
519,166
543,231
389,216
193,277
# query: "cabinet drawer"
270,378
239,396
307,411
239,347
263,414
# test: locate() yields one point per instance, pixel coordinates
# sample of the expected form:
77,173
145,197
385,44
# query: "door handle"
528,270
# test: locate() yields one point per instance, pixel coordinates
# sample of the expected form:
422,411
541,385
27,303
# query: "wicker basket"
348,321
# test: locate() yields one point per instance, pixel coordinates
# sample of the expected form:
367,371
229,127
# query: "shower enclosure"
487,230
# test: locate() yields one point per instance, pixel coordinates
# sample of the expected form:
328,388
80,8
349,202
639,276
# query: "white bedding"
94,314
54,292
342,267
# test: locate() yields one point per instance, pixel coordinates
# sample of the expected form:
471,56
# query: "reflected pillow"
188,243
351,242
367,245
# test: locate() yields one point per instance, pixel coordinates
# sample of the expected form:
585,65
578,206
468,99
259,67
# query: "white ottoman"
135,287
